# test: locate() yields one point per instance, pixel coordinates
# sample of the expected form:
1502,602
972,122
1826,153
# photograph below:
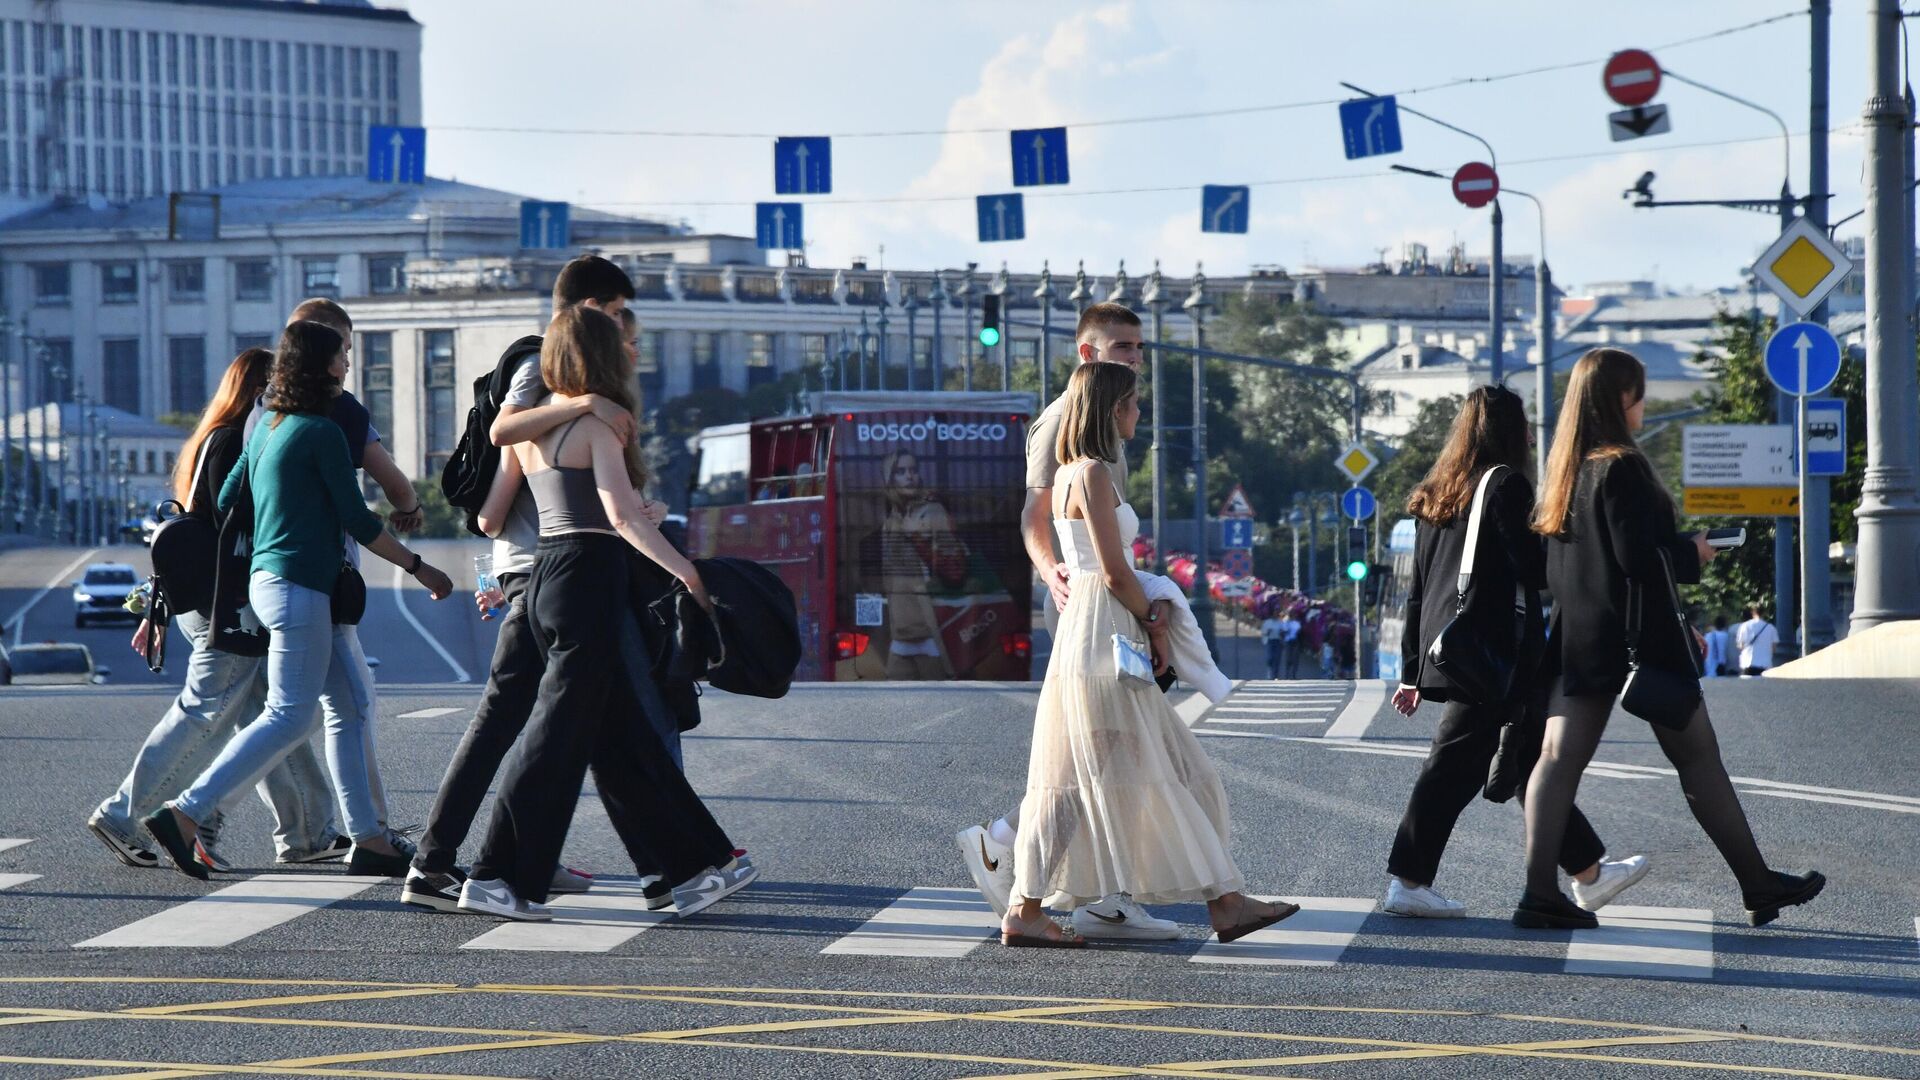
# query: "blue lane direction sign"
776,226
1827,437
1039,157
1236,533
396,155
1370,126
1223,208
545,224
1358,503
803,165
1798,346
1002,217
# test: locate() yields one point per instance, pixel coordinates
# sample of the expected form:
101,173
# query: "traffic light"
1376,582
1357,553
990,320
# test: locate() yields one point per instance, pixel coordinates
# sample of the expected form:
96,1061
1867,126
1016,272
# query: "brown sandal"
1240,930
1025,939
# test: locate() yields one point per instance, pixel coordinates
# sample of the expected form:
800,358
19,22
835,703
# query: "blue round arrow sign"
1798,345
1358,503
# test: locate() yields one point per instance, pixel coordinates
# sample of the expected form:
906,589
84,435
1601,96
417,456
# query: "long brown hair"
239,388
1490,430
1088,428
582,354
302,380
1593,424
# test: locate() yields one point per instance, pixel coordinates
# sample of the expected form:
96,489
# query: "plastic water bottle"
484,581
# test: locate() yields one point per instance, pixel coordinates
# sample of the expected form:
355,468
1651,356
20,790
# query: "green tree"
1418,449
441,520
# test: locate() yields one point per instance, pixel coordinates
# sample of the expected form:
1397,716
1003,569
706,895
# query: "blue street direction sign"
1039,157
1370,126
1236,533
1802,345
1223,208
1827,437
1358,503
396,155
803,165
776,225
1002,217
545,224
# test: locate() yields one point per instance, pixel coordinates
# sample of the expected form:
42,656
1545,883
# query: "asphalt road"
848,798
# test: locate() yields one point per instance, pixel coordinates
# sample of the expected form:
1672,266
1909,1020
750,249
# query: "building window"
252,279
120,374
386,274
187,280
243,342
652,347
376,379
813,351
923,358
186,374
706,359
52,285
119,283
760,361
320,277
439,385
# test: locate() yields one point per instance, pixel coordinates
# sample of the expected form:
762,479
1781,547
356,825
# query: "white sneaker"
1615,877
1419,902
713,885
496,898
991,864
568,880
1117,917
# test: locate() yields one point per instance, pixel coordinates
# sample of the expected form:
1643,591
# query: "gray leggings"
1574,727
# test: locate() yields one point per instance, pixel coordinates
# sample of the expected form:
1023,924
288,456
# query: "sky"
757,68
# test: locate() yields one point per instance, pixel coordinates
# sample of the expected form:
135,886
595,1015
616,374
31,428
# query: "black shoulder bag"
1656,695
1480,665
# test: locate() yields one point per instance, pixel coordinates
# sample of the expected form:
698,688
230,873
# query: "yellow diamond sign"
1356,461
1803,266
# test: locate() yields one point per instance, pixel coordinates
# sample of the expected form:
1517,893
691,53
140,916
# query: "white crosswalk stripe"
1280,703
925,922
8,844
1662,942
1315,936
428,714
599,921
233,913
8,881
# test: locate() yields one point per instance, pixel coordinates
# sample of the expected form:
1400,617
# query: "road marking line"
294,999
1192,709
184,1068
1368,696
1267,720
1661,942
1897,808
1389,751
18,620
1916,929
1313,937
1811,789
427,714
592,922
235,912
1617,774
8,881
924,922
8,844
400,601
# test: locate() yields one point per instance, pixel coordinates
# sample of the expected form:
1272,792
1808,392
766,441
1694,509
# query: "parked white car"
101,593
50,664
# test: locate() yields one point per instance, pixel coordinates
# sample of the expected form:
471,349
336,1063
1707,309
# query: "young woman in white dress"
1120,796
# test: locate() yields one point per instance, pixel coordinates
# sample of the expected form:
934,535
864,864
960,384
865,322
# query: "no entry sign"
1476,184
1632,77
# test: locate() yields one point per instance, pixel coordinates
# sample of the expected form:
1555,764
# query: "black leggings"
1574,727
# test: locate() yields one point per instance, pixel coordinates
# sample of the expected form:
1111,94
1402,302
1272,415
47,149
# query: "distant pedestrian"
1756,639
1290,637
1489,436
1717,639
1273,635
1613,542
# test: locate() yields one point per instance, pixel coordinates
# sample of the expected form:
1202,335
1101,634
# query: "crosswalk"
1289,705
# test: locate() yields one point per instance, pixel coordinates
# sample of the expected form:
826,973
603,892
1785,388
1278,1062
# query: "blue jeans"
222,692
309,660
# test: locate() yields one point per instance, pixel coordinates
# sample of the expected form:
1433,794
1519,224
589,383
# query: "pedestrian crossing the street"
602,920
1315,936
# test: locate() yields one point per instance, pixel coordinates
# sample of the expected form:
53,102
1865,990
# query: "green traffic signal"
989,336
1357,570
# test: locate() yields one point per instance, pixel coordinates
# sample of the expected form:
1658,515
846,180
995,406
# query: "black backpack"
469,472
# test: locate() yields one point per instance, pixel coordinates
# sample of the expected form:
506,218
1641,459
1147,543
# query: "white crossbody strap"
1473,527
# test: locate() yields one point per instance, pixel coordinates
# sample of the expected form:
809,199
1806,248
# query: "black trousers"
588,709
1450,778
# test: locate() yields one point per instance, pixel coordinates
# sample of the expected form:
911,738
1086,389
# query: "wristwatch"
415,568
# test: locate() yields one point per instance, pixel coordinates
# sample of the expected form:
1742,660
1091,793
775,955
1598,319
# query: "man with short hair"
1756,639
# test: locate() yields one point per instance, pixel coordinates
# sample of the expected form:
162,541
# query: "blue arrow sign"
1802,345
1039,157
1370,126
803,165
1223,208
1358,503
1002,217
1236,533
396,155
1827,437
545,224
776,225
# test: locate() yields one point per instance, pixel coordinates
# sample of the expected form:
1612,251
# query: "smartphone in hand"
1731,537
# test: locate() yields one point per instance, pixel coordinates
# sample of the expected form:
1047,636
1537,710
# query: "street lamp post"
866,336
1044,294
9,491
939,301
999,289
101,493
966,303
880,321
1196,306
56,378
1157,304
912,304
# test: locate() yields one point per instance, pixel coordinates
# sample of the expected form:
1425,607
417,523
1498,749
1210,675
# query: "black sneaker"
333,852
130,853
1787,891
365,863
161,826
438,892
658,894
1554,912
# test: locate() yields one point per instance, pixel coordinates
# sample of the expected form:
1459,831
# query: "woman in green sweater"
304,498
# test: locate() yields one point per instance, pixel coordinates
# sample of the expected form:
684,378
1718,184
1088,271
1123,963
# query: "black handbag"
1657,695
1478,656
349,601
184,549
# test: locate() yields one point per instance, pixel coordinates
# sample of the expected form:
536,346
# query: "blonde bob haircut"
1088,428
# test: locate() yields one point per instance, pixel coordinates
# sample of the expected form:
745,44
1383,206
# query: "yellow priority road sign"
1356,461
1803,266
1742,501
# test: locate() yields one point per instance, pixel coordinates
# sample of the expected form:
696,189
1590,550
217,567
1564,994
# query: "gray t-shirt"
513,549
